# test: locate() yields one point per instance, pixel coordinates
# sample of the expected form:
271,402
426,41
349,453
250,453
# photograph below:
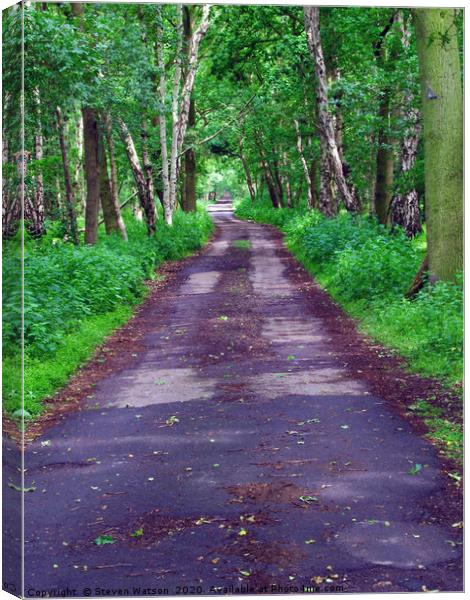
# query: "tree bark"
286,180
190,173
113,181
167,209
174,159
92,174
69,193
193,52
77,183
246,169
441,90
384,172
11,202
327,200
146,203
148,170
329,147
405,207
308,179
34,198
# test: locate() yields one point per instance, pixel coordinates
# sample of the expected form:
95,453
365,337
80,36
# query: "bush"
65,284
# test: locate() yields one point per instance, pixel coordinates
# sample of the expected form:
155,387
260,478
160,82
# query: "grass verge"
75,296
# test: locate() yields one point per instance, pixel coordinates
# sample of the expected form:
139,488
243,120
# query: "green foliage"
442,430
73,296
368,269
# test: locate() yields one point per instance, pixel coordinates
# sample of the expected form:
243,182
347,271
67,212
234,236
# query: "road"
236,450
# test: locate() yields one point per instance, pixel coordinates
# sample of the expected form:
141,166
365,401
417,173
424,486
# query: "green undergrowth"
367,269
75,296
446,433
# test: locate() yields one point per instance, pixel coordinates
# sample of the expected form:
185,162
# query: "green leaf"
415,469
308,499
102,540
137,533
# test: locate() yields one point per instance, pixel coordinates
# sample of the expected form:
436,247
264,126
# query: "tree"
69,192
181,100
441,92
92,174
331,161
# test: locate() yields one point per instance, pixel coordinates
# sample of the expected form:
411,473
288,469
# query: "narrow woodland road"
238,450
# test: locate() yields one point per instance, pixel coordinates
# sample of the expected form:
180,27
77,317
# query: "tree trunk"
310,200
287,184
148,171
174,158
69,194
34,198
276,176
108,130
405,207
327,200
189,204
188,84
246,168
441,88
270,184
92,174
110,214
329,147
419,279
146,203
77,182
384,172
11,202
167,209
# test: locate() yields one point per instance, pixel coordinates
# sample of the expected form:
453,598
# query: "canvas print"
232,299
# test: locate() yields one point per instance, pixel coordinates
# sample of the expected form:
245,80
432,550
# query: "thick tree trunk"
405,207
326,127
307,174
327,200
146,203
110,214
270,184
92,174
69,193
113,181
441,89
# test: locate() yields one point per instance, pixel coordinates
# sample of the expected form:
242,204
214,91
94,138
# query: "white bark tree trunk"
326,125
162,119
300,150
175,112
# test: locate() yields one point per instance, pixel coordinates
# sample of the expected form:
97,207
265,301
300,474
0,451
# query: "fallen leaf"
102,540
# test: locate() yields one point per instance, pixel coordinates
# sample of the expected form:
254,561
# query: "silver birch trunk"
325,120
